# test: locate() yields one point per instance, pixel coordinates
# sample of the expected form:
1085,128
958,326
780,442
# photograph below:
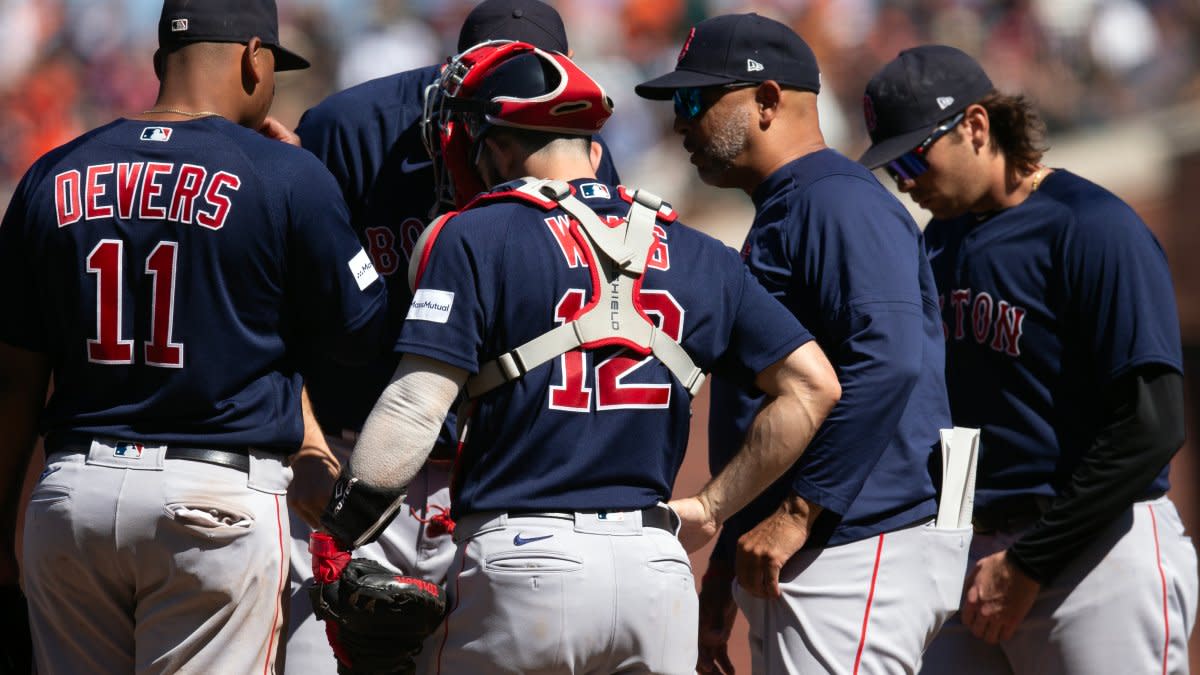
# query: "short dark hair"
531,141
1017,130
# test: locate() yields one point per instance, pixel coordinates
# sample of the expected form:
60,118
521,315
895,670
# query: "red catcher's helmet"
503,83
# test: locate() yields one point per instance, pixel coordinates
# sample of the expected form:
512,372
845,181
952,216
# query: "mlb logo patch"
157,134
179,25
594,191
129,450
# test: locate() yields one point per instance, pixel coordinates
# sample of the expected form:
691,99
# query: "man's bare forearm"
802,389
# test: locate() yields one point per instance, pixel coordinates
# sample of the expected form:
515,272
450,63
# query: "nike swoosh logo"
409,167
521,541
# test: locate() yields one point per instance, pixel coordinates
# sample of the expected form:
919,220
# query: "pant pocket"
532,561
946,558
214,522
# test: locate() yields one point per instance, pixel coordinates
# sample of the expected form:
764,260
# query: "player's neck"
560,166
180,99
1007,187
773,153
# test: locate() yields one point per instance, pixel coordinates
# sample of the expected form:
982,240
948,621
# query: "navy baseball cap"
529,21
910,96
187,21
738,48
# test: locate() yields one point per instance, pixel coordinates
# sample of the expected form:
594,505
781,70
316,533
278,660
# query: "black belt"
654,516
233,459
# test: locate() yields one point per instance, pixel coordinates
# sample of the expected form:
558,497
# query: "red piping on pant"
862,639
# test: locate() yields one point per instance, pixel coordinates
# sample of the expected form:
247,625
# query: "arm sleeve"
1143,428
854,252
1119,296
447,318
404,424
878,364
343,298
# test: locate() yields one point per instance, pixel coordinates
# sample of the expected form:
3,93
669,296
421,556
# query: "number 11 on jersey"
107,262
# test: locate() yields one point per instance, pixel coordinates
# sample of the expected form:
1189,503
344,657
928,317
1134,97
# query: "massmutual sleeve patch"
431,305
363,270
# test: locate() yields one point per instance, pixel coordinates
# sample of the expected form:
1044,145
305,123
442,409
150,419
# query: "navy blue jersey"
1044,305
846,258
369,136
592,429
177,275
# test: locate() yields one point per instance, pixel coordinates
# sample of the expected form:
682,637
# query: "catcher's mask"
503,83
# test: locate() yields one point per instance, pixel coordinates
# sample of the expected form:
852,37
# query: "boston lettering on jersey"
183,193
994,322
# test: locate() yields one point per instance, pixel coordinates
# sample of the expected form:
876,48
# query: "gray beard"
730,136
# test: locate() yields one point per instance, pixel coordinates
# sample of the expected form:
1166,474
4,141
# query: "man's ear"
595,155
978,124
159,64
766,98
254,61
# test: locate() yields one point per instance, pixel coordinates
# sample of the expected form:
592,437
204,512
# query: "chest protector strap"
618,256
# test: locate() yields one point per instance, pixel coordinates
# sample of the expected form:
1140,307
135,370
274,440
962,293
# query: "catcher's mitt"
375,619
16,650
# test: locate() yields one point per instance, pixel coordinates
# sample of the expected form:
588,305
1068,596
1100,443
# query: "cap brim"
663,88
288,60
890,148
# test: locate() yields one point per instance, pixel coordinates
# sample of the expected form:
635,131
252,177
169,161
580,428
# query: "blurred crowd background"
69,65
1118,82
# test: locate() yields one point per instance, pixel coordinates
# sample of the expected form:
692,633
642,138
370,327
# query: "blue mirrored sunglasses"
913,163
689,101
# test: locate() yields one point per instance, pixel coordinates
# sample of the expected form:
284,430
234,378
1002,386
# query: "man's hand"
275,130
763,551
717,613
998,597
315,470
698,525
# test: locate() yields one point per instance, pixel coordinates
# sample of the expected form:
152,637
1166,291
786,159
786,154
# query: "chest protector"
617,256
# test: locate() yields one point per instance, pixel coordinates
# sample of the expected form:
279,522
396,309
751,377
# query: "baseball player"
579,369
369,137
1063,346
839,567
173,269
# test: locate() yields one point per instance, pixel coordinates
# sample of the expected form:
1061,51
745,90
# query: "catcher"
580,370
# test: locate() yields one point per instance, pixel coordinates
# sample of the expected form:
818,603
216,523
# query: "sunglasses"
913,163
689,101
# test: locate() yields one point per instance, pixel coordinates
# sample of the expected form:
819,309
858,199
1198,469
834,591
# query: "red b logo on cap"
869,113
686,43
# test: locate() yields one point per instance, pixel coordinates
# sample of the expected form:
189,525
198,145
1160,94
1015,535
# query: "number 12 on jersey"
107,262
611,393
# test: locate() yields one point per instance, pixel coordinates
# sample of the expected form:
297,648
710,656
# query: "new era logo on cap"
945,102
753,66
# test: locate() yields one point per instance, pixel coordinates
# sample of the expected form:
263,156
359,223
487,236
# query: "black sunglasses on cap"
913,163
689,101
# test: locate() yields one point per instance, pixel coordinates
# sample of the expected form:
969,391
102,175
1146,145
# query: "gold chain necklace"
1038,176
202,113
